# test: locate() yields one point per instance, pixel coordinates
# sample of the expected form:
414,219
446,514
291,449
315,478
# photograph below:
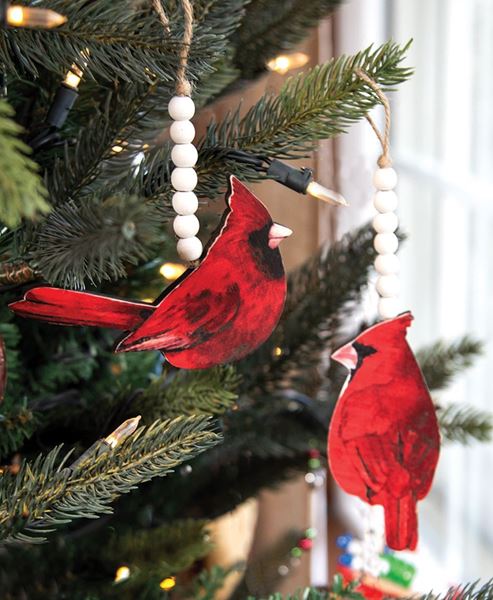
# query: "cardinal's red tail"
66,307
401,523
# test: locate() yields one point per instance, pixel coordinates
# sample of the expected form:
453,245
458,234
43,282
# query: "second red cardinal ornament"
384,439
218,312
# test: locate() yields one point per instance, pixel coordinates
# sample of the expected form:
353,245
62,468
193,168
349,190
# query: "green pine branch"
46,494
22,193
209,582
95,239
318,104
467,591
158,552
309,108
464,424
17,423
441,361
121,40
207,392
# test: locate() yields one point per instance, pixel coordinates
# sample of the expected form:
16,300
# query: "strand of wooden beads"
386,242
184,177
184,155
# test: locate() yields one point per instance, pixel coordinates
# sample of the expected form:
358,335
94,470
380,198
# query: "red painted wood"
384,439
219,312
66,307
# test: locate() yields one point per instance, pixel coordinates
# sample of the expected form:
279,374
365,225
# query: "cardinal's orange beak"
347,356
276,235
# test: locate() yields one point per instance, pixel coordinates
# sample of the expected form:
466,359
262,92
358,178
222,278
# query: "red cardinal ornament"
384,439
218,312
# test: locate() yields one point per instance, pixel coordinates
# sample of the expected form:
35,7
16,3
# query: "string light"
316,190
122,432
119,146
122,573
299,180
24,16
60,108
73,77
277,351
168,583
171,271
288,62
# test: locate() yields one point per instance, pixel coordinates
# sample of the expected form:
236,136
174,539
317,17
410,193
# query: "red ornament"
218,312
314,453
384,439
305,544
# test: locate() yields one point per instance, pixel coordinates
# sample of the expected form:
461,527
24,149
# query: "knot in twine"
384,159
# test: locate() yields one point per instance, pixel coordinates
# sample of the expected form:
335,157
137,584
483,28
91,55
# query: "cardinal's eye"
363,350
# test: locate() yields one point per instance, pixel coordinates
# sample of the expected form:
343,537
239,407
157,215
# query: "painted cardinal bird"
384,439
218,312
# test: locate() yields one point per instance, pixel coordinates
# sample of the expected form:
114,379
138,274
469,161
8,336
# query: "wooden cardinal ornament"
384,438
218,312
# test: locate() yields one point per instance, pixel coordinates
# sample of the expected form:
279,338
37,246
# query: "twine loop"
384,159
183,85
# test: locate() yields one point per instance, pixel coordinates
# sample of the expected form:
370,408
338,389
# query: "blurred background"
442,146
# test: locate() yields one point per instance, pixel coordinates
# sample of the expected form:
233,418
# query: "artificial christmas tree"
91,97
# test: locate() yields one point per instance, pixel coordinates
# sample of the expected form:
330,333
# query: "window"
443,152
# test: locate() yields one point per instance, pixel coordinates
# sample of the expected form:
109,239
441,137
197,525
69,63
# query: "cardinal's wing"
400,460
186,321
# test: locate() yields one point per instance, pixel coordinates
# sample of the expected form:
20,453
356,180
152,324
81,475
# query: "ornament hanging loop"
386,221
384,161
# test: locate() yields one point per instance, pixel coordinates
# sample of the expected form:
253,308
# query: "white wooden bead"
184,155
385,179
385,222
386,243
189,248
182,132
183,179
181,108
388,308
186,226
387,264
385,201
185,203
388,286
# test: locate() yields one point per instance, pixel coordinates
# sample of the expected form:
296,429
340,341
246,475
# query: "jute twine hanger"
183,85
384,160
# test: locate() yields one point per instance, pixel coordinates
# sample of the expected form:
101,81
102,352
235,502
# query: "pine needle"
442,361
465,424
22,193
